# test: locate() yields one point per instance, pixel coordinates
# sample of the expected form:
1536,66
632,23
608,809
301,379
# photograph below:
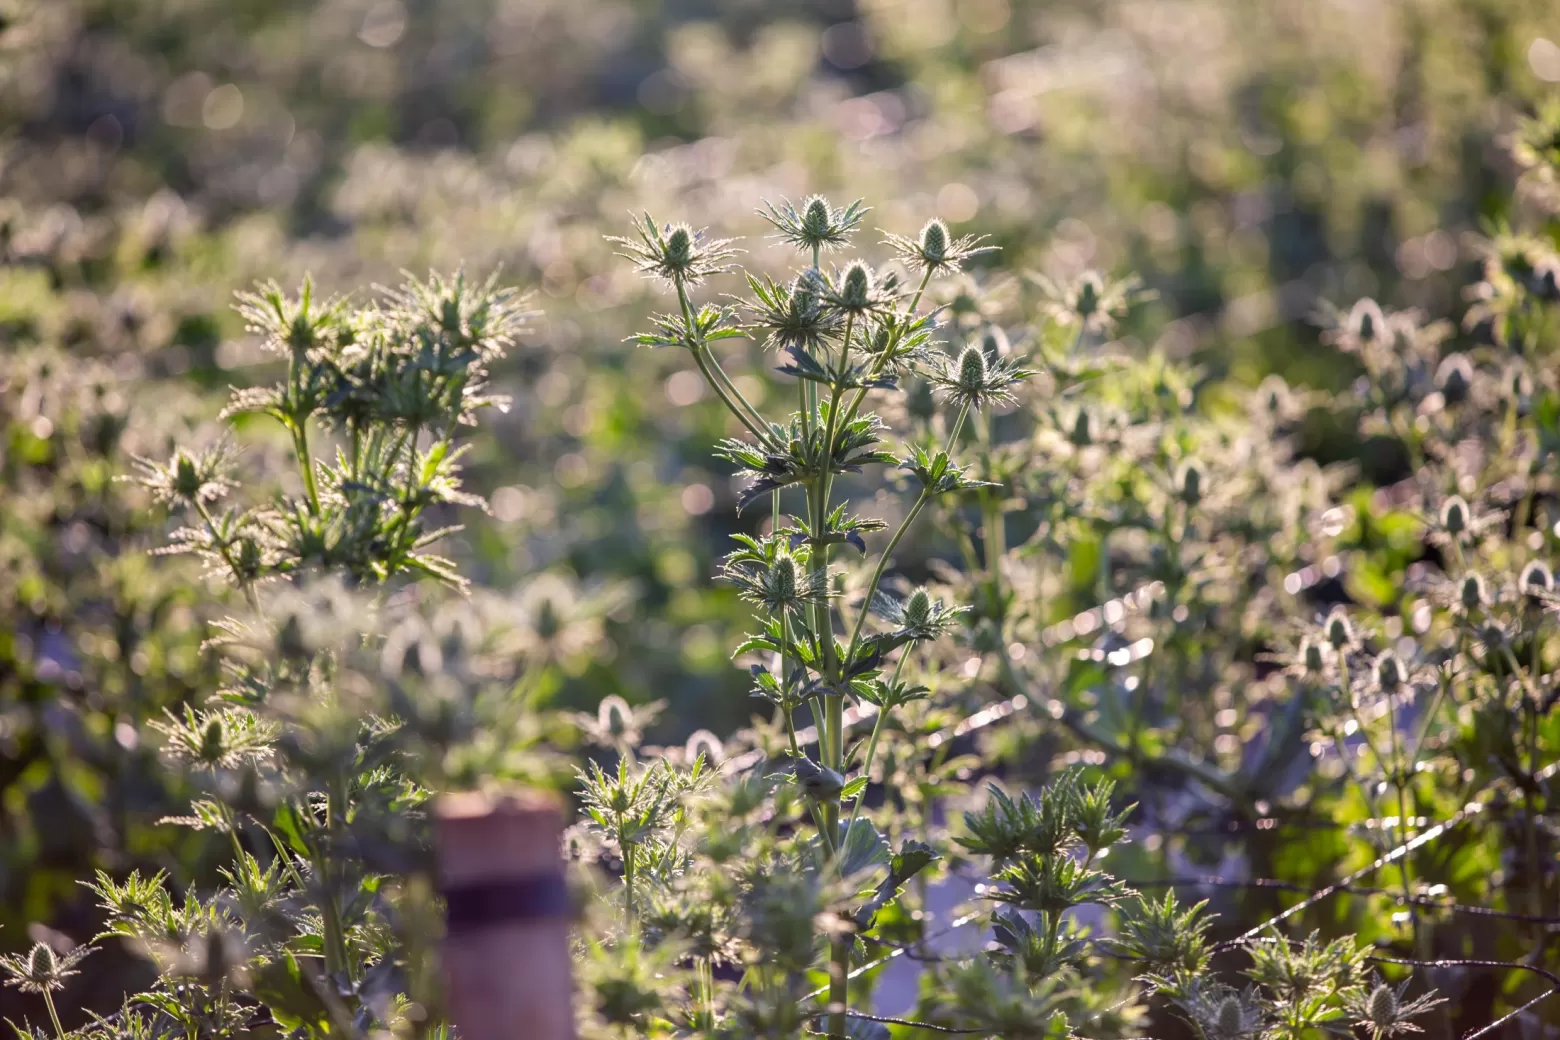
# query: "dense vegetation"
1140,618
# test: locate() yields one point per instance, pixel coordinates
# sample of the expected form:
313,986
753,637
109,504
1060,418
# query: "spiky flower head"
41,970
935,251
223,738
1454,516
795,315
1313,656
674,253
1379,1008
1090,301
1082,433
816,226
1544,282
919,617
1454,378
1189,482
1338,629
1223,1013
1390,673
1472,593
1536,580
771,576
190,478
855,290
971,379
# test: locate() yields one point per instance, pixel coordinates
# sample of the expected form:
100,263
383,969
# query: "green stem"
708,366
300,437
893,542
872,743
877,368
54,1016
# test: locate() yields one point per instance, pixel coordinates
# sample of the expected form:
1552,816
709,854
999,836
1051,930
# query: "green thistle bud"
1454,515
1366,322
1473,593
249,560
856,287
994,342
1382,1006
1313,656
817,221
1339,632
783,579
547,623
1390,674
213,742
804,294
1545,279
1090,292
934,241
1189,486
1454,378
614,716
918,608
1519,383
1082,430
679,246
972,370
1231,1017
187,478
1536,579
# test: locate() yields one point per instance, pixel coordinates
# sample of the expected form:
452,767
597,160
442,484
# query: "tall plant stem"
893,542
54,1016
300,437
872,743
716,377
996,531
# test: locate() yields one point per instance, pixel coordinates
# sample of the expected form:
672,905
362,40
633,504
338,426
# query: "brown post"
506,949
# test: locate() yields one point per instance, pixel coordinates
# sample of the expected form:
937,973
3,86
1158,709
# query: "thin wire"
1290,886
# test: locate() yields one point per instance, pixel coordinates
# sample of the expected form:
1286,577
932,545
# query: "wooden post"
506,949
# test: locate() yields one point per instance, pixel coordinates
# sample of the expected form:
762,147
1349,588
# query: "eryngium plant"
394,382
343,708
843,333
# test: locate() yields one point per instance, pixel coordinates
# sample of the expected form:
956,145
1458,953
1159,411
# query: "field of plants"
1026,519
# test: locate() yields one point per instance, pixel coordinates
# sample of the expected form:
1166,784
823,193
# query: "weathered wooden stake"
506,950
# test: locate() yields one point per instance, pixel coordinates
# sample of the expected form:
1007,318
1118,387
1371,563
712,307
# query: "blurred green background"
1249,158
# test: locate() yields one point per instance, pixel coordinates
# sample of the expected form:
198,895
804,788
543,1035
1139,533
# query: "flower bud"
186,477
1339,632
934,241
1545,279
918,608
816,218
1189,484
1382,1006
1390,674
972,370
856,287
1454,378
1231,1017
994,342
783,579
679,246
1313,656
1367,322
1473,593
1082,433
614,716
1454,515
1536,578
